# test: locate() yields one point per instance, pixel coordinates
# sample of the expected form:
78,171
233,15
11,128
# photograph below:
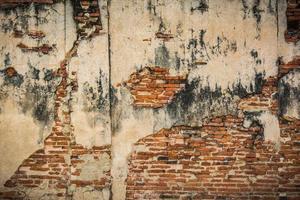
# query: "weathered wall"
55,80
149,99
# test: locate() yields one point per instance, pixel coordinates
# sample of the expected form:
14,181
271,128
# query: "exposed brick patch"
87,17
10,71
45,48
292,33
267,100
36,34
264,101
286,68
18,33
154,87
221,159
164,36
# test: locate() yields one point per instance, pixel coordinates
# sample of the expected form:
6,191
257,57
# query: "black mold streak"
283,96
177,61
202,43
198,48
102,101
254,55
198,99
162,57
48,74
34,72
257,12
259,81
16,79
151,8
202,6
270,7
38,96
7,61
288,93
7,26
162,27
245,8
95,98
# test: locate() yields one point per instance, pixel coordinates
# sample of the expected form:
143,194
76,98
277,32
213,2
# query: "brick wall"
285,68
292,33
222,159
87,17
154,87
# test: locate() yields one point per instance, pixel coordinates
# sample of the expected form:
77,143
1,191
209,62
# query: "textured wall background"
149,99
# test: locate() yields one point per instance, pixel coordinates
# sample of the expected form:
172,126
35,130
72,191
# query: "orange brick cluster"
220,160
50,165
87,16
286,68
292,33
45,48
164,36
154,87
263,101
266,100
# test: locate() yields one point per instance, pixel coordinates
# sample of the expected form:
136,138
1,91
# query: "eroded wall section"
149,99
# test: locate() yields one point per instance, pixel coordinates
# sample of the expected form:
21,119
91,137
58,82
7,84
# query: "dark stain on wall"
34,97
177,61
96,99
39,96
115,109
259,82
20,24
7,61
34,73
202,6
254,55
271,8
288,93
48,74
257,11
245,8
11,77
200,49
151,7
200,100
162,57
